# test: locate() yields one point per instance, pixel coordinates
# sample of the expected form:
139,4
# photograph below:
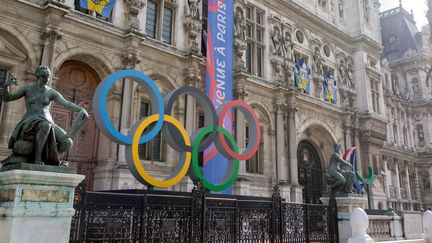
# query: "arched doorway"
309,170
77,82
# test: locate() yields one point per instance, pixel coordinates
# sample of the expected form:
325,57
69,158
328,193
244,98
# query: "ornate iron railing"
160,216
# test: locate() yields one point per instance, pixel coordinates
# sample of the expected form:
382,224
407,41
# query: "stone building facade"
407,91
163,38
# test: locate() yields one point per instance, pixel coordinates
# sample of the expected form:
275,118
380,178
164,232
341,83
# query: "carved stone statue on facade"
340,174
37,139
395,84
350,76
318,62
134,7
341,4
277,42
240,25
287,47
193,8
343,72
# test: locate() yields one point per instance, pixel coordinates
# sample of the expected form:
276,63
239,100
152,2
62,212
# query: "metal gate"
161,216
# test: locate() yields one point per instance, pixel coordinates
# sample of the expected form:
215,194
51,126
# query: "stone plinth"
36,206
345,205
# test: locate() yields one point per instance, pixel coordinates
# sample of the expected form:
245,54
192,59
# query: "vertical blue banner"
330,88
219,77
302,76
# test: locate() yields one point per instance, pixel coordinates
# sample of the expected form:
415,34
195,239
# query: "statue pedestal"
345,205
36,206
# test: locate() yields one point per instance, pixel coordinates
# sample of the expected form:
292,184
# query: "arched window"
309,170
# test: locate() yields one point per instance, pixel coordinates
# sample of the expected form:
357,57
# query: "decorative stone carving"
366,11
277,42
240,24
318,62
281,106
193,77
130,60
241,93
322,3
193,8
134,7
51,35
395,84
192,24
287,47
350,76
341,5
239,39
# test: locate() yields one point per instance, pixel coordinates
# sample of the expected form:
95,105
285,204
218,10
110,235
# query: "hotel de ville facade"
381,102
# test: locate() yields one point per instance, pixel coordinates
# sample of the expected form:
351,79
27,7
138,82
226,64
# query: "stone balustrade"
380,227
387,227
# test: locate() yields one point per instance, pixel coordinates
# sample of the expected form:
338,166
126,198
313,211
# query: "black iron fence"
160,216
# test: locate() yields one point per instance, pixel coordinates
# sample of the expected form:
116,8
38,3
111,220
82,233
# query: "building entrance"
310,173
77,82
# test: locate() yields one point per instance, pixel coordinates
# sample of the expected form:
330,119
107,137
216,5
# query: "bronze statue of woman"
36,138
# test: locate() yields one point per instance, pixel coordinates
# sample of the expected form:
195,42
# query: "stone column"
280,142
408,190
417,186
130,61
37,206
359,166
398,190
50,35
348,134
387,178
240,128
410,131
296,190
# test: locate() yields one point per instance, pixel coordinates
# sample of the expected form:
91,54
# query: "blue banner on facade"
302,76
330,87
219,75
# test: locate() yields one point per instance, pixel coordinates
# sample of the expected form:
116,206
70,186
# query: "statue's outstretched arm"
11,96
57,97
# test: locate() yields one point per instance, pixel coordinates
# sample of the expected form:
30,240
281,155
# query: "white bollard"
427,225
359,224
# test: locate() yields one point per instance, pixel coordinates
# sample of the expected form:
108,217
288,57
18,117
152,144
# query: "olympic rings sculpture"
175,134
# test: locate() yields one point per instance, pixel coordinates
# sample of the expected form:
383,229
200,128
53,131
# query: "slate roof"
399,33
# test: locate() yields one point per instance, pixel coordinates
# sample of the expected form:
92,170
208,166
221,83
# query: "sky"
418,6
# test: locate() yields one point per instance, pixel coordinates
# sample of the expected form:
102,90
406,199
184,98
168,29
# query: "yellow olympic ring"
136,159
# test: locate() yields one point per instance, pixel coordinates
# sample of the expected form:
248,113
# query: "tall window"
254,38
375,95
395,134
151,150
3,77
157,27
405,137
254,164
